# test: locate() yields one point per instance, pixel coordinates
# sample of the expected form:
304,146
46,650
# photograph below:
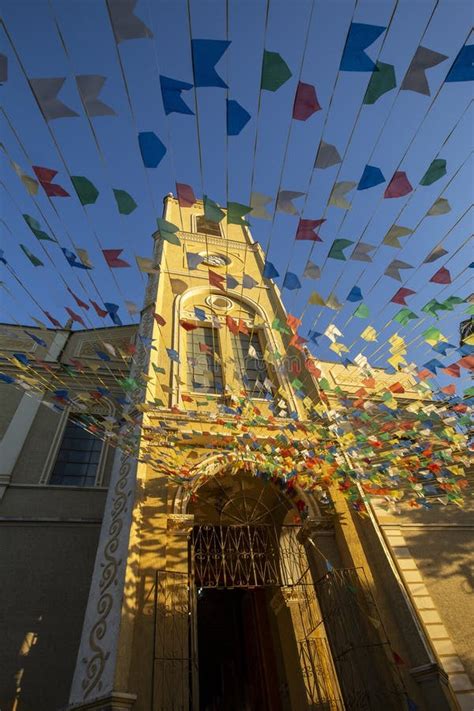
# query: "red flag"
306,229
243,328
187,325
398,186
100,312
449,389
112,258
159,319
397,388
79,302
216,279
442,276
293,322
74,316
453,370
232,325
186,197
311,368
297,341
400,296
466,362
52,319
204,348
45,176
306,102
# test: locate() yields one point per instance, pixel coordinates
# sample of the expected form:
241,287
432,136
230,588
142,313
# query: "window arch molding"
177,369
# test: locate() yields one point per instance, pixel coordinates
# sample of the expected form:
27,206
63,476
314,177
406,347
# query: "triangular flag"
440,207
45,177
146,265
415,78
400,296
306,230
371,177
236,212
361,252
442,276
369,334
393,235
86,191
74,316
126,25
393,269
178,286
382,80
72,259
284,201
336,249
194,260
327,156
404,316
291,282
306,102
311,271
216,280
34,260
338,194
125,203
463,66
258,203
212,211
46,91
82,304
185,193
362,311
151,148
436,171
100,312
111,256
355,294
435,254
399,186
360,36
332,302
316,299
248,282
171,93
35,227
237,117
275,71
269,271
206,53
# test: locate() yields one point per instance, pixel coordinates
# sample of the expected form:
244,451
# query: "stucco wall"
45,572
9,400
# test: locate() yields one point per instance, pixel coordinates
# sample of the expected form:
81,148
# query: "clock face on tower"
216,260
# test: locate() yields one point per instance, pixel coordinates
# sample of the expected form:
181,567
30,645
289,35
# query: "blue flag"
112,310
72,259
269,271
291,281
151,148
171,92
463,67
237,117
206,54
360,36
355,294
371,177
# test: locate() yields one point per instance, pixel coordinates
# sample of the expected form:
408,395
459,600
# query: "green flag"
432,308
236,212
362,311
404,316
212,211
336,250
382,80
451,302
86,191
436,171
34,260
125,203
275,71
35,227
168,231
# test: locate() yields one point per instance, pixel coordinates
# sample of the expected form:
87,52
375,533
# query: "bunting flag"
171,94
146,265
89,87
306,230
73,260
45,177
275,71
371,177
86,191
112,310
306,102
400,296
393,269
258,203
392,238
28,182
74,316
311,270
336,251
84,257
399,186
82,304
248,282
355,294
230,282
54,321
185,194
151,148
35,227
291,281
112,257
316,299
269,271
369,334
284,202
436,170
125,24
362,311
178,286
361,252
415,78
332,302
34,260
327,156
206,53
237,117
382,80
463,66
46,92
216,280
125,203
354,58
442,276
193,260
101,313
236,212
435,254
338,194
440,207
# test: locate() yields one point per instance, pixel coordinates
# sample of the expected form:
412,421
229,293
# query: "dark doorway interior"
237,670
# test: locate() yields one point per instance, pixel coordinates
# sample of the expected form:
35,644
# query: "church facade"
179,573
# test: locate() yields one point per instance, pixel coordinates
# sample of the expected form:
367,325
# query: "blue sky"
402,131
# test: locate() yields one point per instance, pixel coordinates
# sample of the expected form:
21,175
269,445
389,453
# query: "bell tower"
220,518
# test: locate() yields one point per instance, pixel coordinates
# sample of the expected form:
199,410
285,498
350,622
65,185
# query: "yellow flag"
369,334
316,299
